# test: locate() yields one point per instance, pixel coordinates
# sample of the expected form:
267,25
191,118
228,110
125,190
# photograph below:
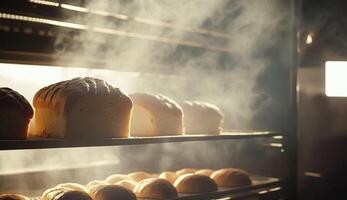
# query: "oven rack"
39,143
262,186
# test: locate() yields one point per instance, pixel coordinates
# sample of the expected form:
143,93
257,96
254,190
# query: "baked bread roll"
73,186
195,183
93,186
112,192
13,197
185,171
139,176
95,182
64,193
81,108
202,118
155,188
206,172
129,184
116,178
15,115
231,177
155,115
169,176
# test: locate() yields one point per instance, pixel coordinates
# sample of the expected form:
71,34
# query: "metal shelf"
61,143
260,185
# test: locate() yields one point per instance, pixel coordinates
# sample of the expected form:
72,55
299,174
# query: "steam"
238,31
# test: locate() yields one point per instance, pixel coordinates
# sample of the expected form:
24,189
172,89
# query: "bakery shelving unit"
263,187
28,29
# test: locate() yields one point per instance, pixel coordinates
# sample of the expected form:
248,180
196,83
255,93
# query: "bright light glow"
75,8
48,3
313,174
309,39
28,79
42,21
336,78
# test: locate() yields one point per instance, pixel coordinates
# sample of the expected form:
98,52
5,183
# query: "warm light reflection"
309,39
336,78
43,2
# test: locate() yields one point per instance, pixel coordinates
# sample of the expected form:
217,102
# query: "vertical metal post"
291,141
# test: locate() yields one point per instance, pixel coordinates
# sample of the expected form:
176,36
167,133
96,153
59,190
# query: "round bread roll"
185,171
95,182
112,192
206,172
13,197
169,176
73,186
63,193
155,188
129,184
195,183
116,178
231,177
73,195
93,186
139,176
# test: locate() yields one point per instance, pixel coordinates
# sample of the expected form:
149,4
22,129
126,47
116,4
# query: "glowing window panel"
336,78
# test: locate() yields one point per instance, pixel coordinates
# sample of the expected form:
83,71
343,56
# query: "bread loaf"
155,115
15,115
13,197
202,118
139,176
155,188
231,177
81,108
169,176
195,183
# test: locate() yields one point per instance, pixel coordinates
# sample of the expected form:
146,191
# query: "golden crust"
195,183
116,178
206,172
111,192
13,197
129,184
169,176
60,96
139,176
231,177
155,188
185,171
